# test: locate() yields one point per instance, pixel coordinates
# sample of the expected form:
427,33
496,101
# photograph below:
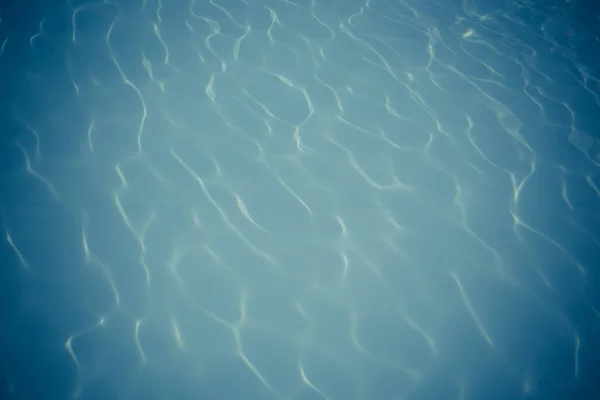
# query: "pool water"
299,200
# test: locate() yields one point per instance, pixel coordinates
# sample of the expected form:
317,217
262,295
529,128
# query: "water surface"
299,200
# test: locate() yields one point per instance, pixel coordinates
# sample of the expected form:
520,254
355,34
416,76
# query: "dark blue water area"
299,200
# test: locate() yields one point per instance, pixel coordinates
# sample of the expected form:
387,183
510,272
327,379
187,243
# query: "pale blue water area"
299,200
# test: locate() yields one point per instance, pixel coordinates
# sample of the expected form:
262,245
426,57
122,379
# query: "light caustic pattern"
294,199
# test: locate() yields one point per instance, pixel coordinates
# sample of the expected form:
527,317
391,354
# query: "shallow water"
293,199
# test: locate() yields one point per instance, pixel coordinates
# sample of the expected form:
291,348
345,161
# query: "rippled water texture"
299,200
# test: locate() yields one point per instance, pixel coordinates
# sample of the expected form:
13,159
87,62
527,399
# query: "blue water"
299,200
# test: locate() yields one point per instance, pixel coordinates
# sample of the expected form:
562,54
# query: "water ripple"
293,200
